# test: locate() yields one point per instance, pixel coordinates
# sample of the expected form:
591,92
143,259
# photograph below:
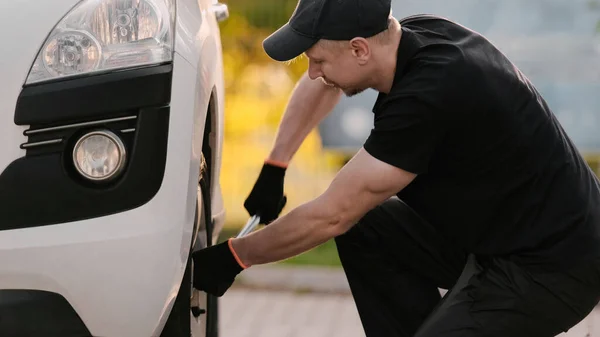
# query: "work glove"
215,268
266,198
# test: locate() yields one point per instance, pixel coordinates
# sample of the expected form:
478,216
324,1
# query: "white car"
108,111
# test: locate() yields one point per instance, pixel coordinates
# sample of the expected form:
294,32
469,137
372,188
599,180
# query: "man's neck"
386,71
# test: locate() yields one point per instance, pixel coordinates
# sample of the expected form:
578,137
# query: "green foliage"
267,14
594,5
324,255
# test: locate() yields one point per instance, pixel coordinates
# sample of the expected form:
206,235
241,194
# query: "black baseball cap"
313,20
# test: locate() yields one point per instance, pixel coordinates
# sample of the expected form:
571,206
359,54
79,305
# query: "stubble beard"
329,84
348,92
352,92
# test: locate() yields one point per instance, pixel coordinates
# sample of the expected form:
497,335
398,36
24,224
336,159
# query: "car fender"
198,42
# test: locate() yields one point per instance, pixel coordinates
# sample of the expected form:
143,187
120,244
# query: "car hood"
24,25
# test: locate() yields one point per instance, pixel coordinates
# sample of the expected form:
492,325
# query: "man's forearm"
359,186
310,102
303,228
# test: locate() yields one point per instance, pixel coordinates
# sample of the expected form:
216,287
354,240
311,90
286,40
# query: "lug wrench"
250,226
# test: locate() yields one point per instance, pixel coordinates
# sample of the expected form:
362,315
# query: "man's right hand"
266,198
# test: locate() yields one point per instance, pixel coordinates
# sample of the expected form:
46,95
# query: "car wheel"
195,313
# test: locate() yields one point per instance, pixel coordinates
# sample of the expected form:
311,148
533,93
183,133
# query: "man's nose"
314,71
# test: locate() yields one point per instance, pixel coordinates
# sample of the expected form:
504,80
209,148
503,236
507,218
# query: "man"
467,182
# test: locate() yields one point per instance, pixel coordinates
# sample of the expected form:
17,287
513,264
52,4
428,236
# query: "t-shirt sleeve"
406,133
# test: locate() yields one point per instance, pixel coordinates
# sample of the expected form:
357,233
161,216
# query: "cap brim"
285,44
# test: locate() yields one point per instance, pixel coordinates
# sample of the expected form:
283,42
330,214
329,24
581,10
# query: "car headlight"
103,35
99,155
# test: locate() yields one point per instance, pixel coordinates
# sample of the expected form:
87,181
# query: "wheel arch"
212,146
208,138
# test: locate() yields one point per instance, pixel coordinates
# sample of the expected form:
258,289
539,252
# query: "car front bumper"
105,260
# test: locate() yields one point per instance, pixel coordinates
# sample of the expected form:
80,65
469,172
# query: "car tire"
185,311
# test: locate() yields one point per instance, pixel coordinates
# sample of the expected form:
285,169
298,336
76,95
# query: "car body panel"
138,255
120,272
199,28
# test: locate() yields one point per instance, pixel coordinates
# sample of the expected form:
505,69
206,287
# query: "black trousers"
395,262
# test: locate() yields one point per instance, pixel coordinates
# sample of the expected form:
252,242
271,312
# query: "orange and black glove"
266,198
215,268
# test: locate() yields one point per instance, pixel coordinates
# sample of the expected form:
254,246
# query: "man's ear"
360,49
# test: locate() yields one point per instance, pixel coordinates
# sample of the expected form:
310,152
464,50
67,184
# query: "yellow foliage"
257,91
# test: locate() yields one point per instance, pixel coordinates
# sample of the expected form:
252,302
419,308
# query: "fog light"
99,155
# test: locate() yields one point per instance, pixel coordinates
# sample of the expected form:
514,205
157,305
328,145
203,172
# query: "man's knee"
356,234
375,225
356,239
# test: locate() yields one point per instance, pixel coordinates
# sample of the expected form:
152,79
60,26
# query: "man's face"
337,66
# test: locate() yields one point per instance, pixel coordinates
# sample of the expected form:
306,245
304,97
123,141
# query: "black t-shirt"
497,174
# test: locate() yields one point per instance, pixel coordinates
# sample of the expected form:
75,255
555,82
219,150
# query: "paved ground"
307,302
260,313
286,314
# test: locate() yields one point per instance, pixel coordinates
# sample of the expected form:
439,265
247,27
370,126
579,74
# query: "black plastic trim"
94,96
44,189
67,133
35,313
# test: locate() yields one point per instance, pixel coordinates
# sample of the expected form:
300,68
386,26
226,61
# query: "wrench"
250,226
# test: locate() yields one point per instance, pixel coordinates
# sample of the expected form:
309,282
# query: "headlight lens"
99,155
102,35
71,53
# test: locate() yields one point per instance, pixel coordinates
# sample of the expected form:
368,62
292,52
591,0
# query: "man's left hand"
215,269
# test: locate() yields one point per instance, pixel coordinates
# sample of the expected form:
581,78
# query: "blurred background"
257,90
556,43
